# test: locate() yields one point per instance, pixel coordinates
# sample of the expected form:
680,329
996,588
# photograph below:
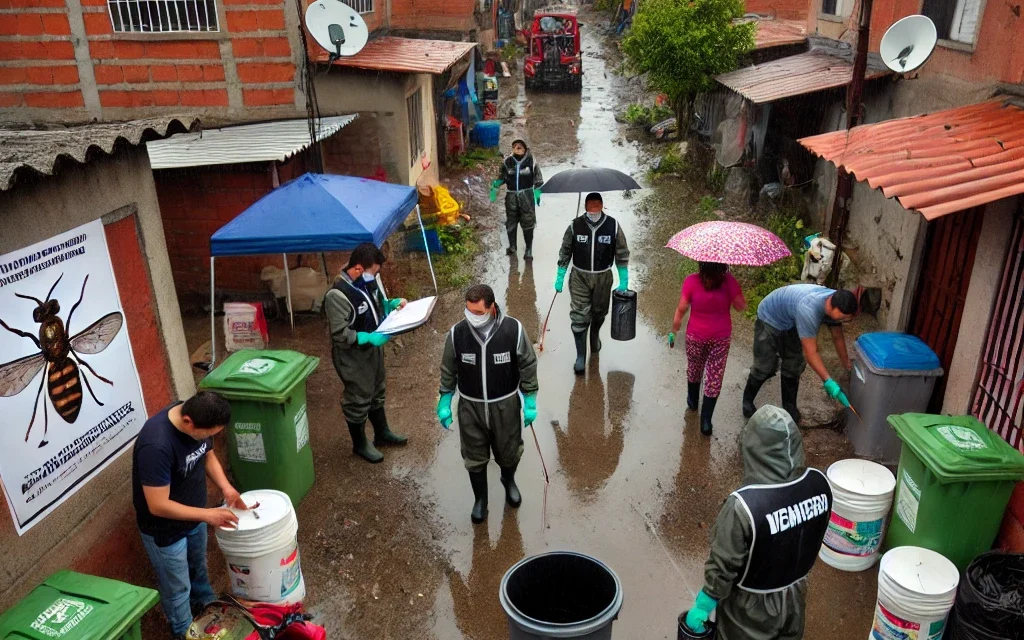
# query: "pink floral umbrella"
736,243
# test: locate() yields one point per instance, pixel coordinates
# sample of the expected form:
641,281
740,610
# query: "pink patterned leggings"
707,354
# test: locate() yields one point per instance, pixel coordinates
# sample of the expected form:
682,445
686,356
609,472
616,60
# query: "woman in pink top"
709,295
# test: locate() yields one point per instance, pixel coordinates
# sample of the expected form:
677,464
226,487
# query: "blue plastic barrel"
488,133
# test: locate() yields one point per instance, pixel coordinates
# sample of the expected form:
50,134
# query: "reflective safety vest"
488,369
369,312
789,522
519,176
593,249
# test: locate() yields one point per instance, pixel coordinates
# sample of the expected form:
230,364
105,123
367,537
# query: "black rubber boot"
528,239
706,411
749,395
512,248
512,495
478,480
595,336
581,352
361,446
790,390
692,395
382,433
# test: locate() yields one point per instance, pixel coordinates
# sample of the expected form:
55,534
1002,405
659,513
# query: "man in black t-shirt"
170,464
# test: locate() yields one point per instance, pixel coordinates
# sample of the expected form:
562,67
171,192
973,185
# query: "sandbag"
245,326
308,286
624,305
990,599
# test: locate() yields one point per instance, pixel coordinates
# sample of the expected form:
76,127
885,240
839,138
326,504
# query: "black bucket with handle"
624,305
686,634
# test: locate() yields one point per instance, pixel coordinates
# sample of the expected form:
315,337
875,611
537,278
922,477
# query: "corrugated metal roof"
263,142
405,55
937,163
777,33
794,76
26,152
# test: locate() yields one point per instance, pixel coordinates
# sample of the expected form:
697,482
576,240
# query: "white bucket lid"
862,477
921,571
275,506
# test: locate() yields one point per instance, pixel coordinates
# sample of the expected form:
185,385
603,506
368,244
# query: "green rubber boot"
382,433
361,446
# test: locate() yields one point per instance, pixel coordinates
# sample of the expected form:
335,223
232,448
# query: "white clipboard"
414,315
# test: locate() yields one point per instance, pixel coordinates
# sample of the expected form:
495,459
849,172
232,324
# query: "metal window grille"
163,16
830,7
414,107
999,394
361,6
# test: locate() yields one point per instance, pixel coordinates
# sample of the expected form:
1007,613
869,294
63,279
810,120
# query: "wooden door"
942,289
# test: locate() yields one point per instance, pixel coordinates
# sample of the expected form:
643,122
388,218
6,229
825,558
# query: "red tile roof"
405,55
793,76
937,163
776,33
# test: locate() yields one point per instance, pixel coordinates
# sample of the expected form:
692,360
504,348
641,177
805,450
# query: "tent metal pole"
579,197
213,325
323,263
426,249
288,283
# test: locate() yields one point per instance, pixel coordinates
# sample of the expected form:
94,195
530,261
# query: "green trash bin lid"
77,607
263,376
958,448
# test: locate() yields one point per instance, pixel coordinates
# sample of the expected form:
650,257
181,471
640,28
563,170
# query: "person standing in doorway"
490,361
708,295
172,458
355,308
594,243
787,329
522,179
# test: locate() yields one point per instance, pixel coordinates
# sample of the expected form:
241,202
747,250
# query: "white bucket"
916,589
263,552
861,498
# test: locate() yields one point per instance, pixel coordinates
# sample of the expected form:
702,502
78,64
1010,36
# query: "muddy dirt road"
389,551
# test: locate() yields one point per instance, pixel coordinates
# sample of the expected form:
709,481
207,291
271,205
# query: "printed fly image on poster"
69,391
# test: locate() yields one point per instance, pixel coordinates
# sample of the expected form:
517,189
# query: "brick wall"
439,15
355,150
63,61
784,9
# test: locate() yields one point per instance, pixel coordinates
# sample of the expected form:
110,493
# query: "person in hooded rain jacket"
766,538
522,179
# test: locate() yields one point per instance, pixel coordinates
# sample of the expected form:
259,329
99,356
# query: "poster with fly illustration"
69,393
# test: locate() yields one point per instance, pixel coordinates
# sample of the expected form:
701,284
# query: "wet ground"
388,551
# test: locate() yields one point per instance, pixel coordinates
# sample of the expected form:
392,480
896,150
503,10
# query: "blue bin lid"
897,351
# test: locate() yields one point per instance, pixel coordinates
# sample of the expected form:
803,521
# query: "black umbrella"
587,180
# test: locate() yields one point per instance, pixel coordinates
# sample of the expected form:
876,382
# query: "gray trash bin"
893,373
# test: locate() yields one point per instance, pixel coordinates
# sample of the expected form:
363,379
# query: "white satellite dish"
336,27
908,43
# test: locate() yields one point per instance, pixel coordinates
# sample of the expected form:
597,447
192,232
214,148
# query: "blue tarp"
316,213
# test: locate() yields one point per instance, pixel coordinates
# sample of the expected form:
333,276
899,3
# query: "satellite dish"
336,27
908,43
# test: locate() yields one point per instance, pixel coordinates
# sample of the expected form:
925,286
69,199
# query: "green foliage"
760,281
670,163
456,239
716,178
477,156
454,268
683,44
644,116
706,208
605,5
511,53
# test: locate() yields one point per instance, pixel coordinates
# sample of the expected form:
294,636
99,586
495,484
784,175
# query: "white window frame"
361,6
843,8
157,14
966,18
417,132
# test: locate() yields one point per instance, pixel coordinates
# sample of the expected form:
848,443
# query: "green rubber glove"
495,184
536,197
623,277
697,616
444,410
834,391
376,339
391,305
560,278
529,409
672,340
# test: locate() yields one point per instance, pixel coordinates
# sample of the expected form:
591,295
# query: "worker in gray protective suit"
594,243
355,307
522,179
766,538
489,360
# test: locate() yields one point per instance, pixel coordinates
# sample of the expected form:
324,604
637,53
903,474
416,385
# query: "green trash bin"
268,438
76,606
953,483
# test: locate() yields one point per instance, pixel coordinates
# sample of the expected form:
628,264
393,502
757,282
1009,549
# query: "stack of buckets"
263,553
916,587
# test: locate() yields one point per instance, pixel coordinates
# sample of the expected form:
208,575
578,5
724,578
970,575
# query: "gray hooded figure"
766,537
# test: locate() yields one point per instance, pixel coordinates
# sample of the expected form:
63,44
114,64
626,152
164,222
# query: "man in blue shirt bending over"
787,329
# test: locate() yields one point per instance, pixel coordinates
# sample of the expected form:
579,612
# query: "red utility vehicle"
553,50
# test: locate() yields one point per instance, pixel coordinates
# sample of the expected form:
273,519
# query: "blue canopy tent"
315,213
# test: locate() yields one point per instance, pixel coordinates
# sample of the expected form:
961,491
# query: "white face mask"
369,277
478,322
594,217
